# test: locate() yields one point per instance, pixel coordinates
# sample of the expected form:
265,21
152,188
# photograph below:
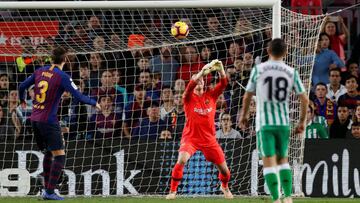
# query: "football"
180,30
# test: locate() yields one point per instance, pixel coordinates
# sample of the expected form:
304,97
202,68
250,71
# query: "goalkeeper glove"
216,65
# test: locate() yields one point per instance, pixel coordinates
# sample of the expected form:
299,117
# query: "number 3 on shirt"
43,87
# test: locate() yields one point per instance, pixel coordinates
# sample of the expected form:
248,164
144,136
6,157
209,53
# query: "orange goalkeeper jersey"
200,114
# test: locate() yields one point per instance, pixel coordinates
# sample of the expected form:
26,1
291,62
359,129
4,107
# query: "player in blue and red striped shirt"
50,83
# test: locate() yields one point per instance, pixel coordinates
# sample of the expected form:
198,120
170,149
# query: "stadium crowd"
140,89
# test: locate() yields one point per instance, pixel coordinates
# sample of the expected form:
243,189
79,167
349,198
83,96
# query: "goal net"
128,61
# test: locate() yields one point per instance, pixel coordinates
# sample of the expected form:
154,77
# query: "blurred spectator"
25,113
337,38
143,64
152,93
213,25
334,88
7,130
314,129
342,123
355,131
351,98
80,40
165,64
12,104
95,68
4,81
94,27
324,106
99,43
250,132
13,100
250,39
248,62
352,69
307,7
266,37
238,82
78,115
213,28
84,74
226,130
152,126
190,64
325,60
180,86
120,89
221,107
176,118
205,54
156,81
135,110
71,66
356,116
115,42
234,52
108,88
167,102
4,97
106,124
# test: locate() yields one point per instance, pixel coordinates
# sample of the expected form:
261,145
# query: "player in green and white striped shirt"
273,82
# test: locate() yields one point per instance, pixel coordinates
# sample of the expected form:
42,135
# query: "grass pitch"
162,200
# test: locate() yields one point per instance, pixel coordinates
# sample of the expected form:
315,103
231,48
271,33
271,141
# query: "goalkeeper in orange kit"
199,130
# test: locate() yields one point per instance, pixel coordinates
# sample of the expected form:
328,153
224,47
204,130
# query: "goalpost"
114,52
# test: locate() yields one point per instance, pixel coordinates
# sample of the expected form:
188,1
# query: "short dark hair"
58,55
349,77
277,47
335,69
355,123
320,84
342,105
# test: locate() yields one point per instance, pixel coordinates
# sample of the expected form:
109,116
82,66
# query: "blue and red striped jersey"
49,84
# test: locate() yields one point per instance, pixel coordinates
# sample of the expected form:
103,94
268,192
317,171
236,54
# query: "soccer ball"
180,30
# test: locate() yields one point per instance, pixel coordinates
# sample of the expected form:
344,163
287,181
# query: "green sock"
286,180
272,182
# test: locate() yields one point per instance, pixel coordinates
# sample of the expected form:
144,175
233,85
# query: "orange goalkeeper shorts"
213,153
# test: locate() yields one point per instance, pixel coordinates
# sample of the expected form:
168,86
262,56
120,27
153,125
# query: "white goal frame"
274,4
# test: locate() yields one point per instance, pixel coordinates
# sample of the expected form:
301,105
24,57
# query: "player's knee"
282,160
182,161
183,158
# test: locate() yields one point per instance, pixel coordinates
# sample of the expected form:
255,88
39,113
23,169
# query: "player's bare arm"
245,110
304,102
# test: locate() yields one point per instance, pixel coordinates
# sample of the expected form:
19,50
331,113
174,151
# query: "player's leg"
47,160
56,146
282,143
216,155
266,146
185,153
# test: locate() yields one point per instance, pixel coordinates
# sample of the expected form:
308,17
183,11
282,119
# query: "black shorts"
48,136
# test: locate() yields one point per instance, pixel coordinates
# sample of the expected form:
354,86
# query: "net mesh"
128,61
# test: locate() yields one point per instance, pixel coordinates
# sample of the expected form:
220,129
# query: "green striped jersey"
321,120
273,82
316,130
